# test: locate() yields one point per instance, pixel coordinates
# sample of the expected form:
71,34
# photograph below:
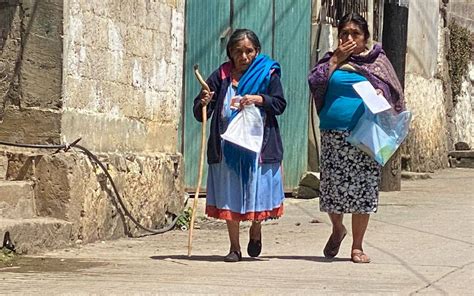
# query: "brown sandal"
358,256
332,246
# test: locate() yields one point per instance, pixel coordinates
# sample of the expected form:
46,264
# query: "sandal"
233,256
332,246
254,247
358,256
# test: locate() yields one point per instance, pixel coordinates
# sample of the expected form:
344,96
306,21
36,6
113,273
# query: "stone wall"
463,113
72,188
462,13
107,71
123,74
426,146
31,70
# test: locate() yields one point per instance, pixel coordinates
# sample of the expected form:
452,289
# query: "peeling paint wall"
426,148
422,44
123,74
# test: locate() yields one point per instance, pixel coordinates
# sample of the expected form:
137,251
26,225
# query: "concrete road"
420,242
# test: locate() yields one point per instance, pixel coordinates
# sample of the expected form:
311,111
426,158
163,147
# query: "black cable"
74,144
124,208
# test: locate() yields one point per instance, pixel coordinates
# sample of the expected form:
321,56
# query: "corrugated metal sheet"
256,16
205,22
292,50
283,27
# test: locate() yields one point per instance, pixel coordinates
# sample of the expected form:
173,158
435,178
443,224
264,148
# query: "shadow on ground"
40,264
215,258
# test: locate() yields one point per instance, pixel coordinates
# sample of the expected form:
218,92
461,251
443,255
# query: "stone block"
415,176
462,154
31,126
163,18
95,66
311,180
21,166
71,188
44,18
95,30
465,163
39,234
304,192
119,133
118,67
138,41
141,10
17,200
3,167
79,93
462,158
41,70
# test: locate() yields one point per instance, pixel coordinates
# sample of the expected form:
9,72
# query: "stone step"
17,199
3,167
415,176
461,159
38,234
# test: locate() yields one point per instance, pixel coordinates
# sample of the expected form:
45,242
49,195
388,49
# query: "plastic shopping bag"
246,129
379,135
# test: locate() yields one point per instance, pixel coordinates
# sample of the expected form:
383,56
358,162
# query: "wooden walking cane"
201,158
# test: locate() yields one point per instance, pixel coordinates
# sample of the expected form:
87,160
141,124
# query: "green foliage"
6,257
184,219
458,56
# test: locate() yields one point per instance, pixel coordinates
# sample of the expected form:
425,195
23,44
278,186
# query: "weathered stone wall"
107,71
462,13
463,113
123,74
31,70
427,144
426,71
69,187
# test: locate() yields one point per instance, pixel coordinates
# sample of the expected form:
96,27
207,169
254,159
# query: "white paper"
376,103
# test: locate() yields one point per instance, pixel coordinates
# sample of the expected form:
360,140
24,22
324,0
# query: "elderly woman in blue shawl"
243,185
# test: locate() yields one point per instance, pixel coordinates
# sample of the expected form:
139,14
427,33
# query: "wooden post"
394,41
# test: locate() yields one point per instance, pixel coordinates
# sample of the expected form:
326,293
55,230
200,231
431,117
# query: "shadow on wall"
11,59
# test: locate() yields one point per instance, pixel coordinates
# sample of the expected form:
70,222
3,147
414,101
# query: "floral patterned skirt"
349,177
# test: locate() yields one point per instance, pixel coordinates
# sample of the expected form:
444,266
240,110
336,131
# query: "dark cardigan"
274,104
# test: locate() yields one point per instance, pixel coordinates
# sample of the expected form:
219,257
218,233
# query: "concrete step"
17,199
38,234
461,159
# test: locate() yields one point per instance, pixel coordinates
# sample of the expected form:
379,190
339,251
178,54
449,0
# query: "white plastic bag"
379,135
246,129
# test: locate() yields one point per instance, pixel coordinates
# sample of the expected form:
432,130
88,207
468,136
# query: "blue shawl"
257,77
254,81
